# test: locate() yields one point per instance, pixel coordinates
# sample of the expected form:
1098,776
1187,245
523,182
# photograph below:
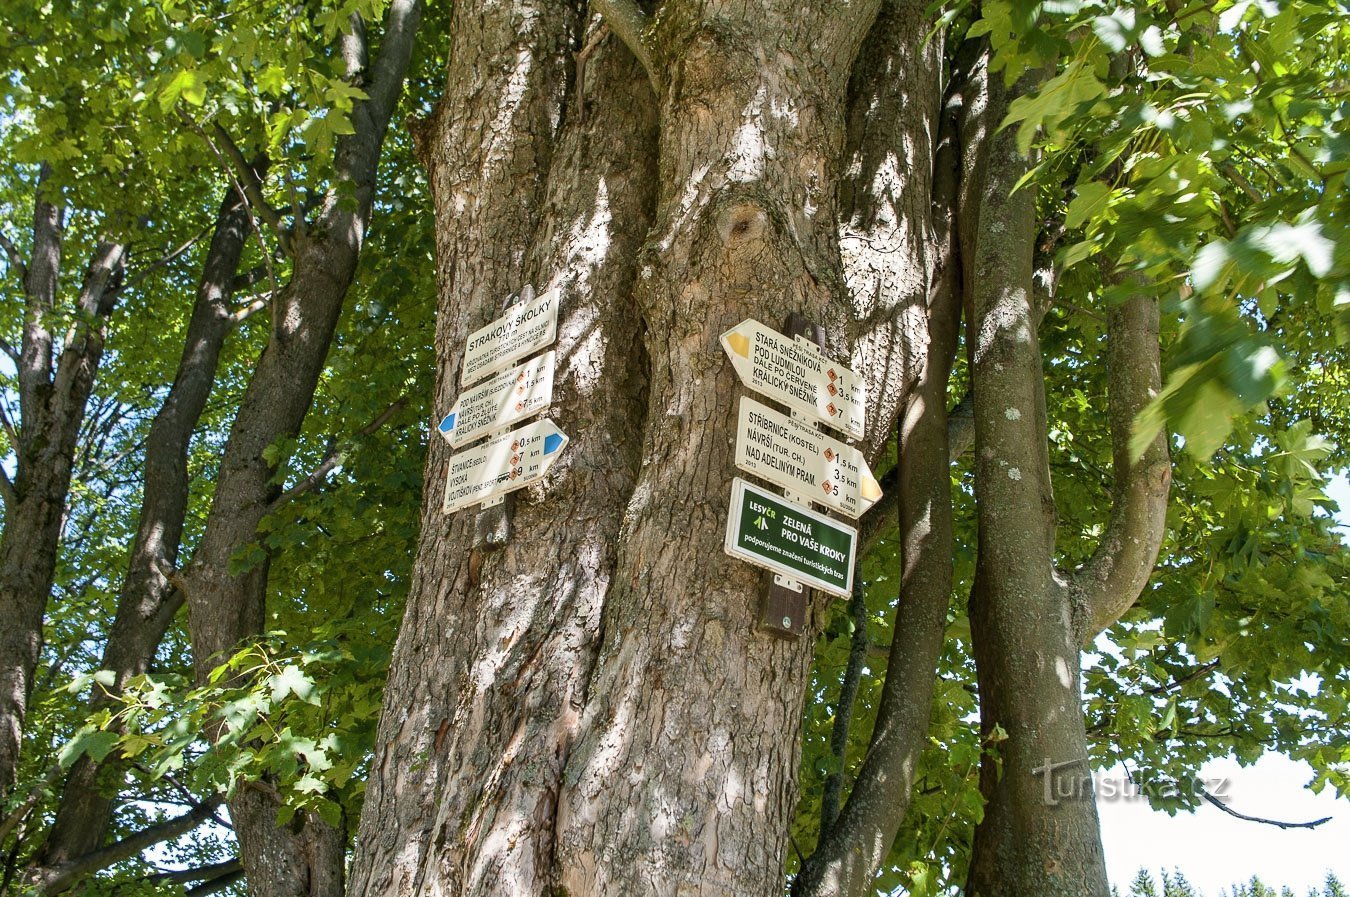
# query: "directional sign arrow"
513,395
796,373
769,531
503,464
525,328
798,457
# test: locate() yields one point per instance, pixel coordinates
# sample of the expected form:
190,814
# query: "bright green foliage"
1197,148
123,102
1201,147
304,718
1198,152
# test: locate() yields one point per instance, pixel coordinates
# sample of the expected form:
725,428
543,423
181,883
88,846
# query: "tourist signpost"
526,327
768,531
780,533
503,464
795,372
513,395
800,458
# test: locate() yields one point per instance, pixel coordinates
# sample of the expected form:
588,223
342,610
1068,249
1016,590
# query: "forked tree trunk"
305,858
148,602
55,377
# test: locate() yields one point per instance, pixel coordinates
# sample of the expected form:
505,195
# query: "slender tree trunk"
1040,833
53,392
306,858
907,76
148,602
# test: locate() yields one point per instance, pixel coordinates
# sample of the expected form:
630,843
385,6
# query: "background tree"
194,77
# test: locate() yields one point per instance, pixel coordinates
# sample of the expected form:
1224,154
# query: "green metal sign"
770,532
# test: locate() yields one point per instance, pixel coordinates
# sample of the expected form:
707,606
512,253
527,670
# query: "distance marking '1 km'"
511,396
524,328
796,373
769,531
503,464
800,458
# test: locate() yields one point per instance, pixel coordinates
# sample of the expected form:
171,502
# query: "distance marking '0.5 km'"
503,464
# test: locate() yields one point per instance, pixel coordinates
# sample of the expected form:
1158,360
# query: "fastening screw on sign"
787,622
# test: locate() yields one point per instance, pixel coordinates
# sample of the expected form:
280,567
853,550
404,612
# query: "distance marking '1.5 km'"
513,395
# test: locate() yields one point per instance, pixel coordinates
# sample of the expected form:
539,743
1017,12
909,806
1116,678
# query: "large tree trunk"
588,708
148,602
503,618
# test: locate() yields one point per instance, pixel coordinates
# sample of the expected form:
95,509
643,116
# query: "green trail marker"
768,531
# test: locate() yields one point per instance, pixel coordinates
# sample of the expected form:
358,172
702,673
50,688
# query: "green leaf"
292,680
96,743
1088,204
187,84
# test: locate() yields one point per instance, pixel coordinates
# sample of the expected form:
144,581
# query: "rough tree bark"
55,379
306,858
606,720
147,601
578,701
503,619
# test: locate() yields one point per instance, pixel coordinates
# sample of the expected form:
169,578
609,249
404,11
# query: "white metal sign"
525,328
800,458
511,396
796,373
503,464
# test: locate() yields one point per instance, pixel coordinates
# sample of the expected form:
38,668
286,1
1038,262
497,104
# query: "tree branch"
960,437
853,847
249,278
1182,680
245,178
8,425
1111,580
251,306
16,263
335,457
843,713
40,282
84,343
169,256
183,876
8,497
627,20
218,883
1244,817
12,821
62,877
